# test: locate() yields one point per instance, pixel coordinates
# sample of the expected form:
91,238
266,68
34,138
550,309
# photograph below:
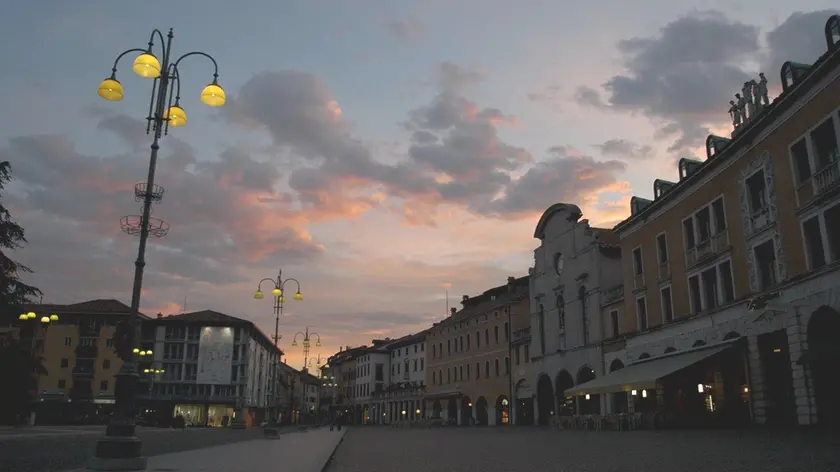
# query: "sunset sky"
376,151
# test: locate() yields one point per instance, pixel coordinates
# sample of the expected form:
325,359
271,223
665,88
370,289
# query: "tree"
19,367
12,290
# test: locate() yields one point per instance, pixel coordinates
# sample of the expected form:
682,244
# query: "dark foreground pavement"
373,449
65,448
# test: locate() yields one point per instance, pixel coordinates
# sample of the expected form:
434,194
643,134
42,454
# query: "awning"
643,375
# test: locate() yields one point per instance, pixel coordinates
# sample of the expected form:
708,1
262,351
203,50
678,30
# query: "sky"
381,153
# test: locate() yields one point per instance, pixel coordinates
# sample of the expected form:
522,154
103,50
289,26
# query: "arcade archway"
823,356
436,409
466,411
589,404
481,416
545,400
619,399
452,410
524,398
565,403
502,411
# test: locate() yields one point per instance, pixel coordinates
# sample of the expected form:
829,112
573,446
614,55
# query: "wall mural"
215,355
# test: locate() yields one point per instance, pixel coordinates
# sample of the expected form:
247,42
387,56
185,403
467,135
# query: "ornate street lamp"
121,449
306,336
277,291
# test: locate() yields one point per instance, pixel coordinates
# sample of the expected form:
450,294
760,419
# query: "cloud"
406,30
624,149
682,78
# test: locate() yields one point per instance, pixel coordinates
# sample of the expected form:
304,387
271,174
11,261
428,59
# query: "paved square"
375,449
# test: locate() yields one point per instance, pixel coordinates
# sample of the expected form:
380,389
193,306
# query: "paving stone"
515,449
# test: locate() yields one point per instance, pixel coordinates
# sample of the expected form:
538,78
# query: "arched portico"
481,414
619,399
524,404
545,400
823,357
565,404
466,411
502,411
588,404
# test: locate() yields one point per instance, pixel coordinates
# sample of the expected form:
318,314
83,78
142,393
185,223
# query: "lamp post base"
118,453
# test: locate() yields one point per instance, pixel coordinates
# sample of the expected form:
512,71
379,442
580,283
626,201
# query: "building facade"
401,399
732,291
571,267
79,361
469,379
208,367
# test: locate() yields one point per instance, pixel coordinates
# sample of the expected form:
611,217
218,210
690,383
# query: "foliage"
19,368
12,290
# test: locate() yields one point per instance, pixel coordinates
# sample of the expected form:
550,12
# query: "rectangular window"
516,354
814,249
527,350
667,305
65,362
757,192
688,232
710,288
641,313
801,163
662,248
638,267
765,261
824,144
831,217
68,341
718,216
694,294
727,283
614,322
62,383
103,386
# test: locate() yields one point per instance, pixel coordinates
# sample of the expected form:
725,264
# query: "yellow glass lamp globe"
277,292
45,319
213,95
23,317
146,65
111,90
298,296
31,315
53,317
176,115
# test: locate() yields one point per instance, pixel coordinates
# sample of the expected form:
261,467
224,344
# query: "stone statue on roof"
734,113
760,91
746,91
742,107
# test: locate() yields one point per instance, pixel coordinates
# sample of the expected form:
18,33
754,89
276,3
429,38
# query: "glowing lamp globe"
294,343
135,350
176,115
298,296
31,315
213,95
149,352
111,90
45,319
146,65
277,292
282,299
23,317
318,344
53,317
145,371
258,295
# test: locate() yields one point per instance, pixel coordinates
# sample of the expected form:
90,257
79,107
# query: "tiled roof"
92,307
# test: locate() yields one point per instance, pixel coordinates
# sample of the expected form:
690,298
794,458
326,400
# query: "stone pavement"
308,451
527,449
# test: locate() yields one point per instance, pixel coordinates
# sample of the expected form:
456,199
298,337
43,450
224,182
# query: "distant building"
213,364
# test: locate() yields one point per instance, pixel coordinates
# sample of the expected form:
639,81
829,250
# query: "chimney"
464,300
511,285
160,315
453,310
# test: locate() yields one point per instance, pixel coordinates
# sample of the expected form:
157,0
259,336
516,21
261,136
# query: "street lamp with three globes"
121,449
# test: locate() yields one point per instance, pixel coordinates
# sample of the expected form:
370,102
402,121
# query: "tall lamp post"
120,449
277,291
306,335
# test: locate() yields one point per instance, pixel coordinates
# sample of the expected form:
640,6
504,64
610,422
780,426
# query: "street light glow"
146,65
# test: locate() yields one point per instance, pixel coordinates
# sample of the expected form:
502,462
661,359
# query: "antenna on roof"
184,307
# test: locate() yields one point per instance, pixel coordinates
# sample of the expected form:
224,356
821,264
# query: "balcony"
827,179
521,336
611,295
638,281
707,248
83,371
664,271
86,352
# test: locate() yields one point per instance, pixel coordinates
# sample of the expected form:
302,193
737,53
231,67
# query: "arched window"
487,369
468,342
477,339
496,362
507,332
461,340
477,370
434,351
496,333
561,313
486,336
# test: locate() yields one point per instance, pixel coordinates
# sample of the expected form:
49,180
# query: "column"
756,382
803,388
